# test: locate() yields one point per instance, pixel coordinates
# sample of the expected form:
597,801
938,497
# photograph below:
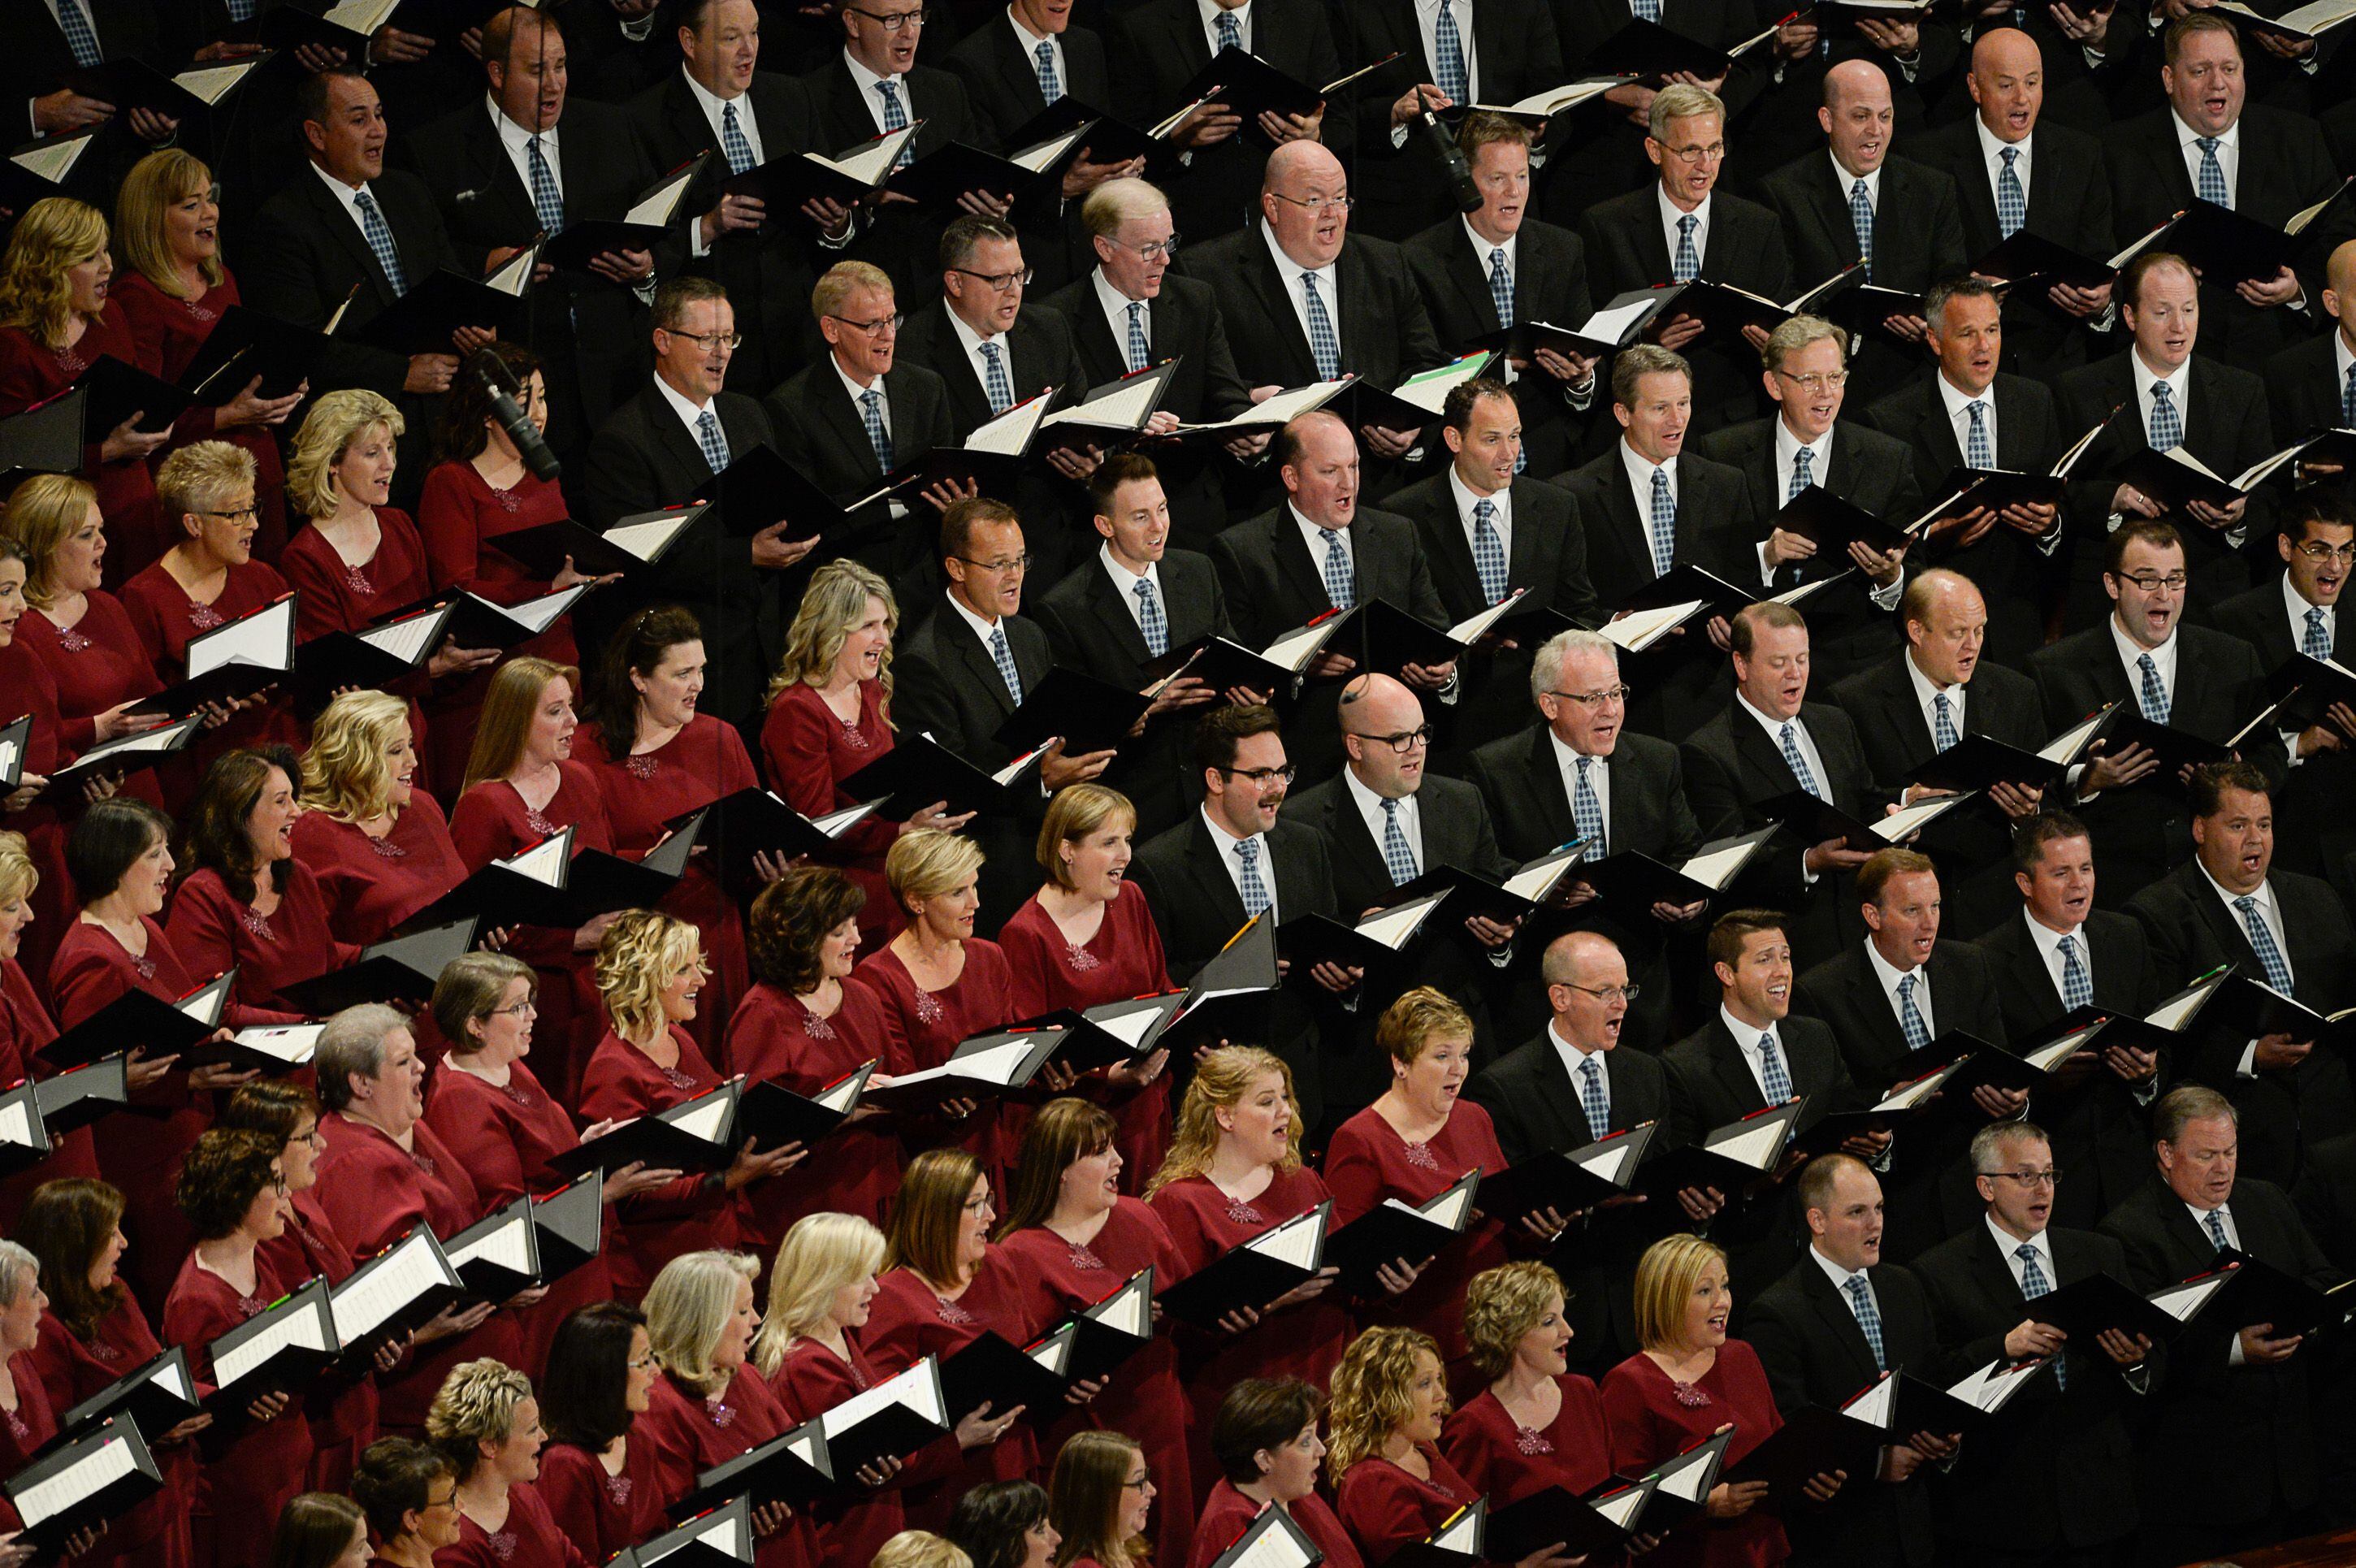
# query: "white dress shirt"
2295,609
1574,1062
1427,26
518,143
2229,154
855,392
1116,306
1329,293
1958,403
1671,214
1227,843
2266,905
1124,585
1210,12
1481,245
2224,1211
1775,728
1639,469
1312,536
866,81
984,631
1370,811
1788,447
1992,148
2009,1245
2047,942
1746,1039
1925,689
1841,1278
348,196
1466,501
970,341
1844,180
1598,778
2179,389
748,123
2130,652
689,413
1031,42
1888,976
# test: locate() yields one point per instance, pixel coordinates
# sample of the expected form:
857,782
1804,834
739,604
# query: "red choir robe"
775,1038
909,1321
1385,1507
97,664
685,1433
336,596
341,1407
1510,1462
809,753
856,1521
530,1538
685,1216
33,692
31,372
1368,1162
597,1510
1653,1418
215,931
371,884
25,1029
1228,1513
252,1469
73,1368
165,619
923,1027
24,1431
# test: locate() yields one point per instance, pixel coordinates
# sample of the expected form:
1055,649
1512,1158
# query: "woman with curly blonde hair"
54,326
650,971
376,840
487,1423
1391,1484
1537,1425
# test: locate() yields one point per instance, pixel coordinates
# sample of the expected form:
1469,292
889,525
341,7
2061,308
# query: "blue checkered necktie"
1141,349
2033,1283
1051,87
895,118
1775,1079
1341,580
1664,524
2012,201
1978,452
1324,346
1001,391
2077,987
2262,941
1943,721
2167,419
1231,32
1488,552
1868,1318
1004,657
712,439
1650,10
1150,621
2348,398
1803,462
1686,265
1253,889
1448,49
378,235
1501,287
241,10
2315,641
1860,217
1587,812
2212,181
1795,759
1397,859
732,144
2215,1220
81,37
870,414
1591,1098
1910,1017
2152,697
547,202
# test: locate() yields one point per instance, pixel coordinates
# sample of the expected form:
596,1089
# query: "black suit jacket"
2058,1469
37,58
1385,335
1038,353
2325,1196
1711,1085
1550,285
2313,830
819,432
2304,389
1846,995
906,241
1815,1353
1918,231
1002,80
1273,583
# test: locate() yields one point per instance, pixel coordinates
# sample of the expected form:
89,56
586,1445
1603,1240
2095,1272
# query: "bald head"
1317,458
1299,195
1380,715
2340,289
1857,116
1946,625
2007,82
1576,958
1577,967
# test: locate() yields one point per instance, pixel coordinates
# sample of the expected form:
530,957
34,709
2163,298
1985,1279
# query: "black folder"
1091,714
1812,820
1569,1181
264,643
83,1482
434,1284
2085,1309
989,1066
498,1255
694,1136
2230,247
772,1115
785,183
116,391
81,1095
2175,748
271,1049
1270,1540
1597,1525
1111,1033
891,1419
245,343
1811,1442
569,1225
1393,1230
1255,1271
138,1019
1631,881
1249,86
1681,1483
554,885
420,321
263,1357
1734,1158
1650,51
24,1139
793,1467
759,489
1221,663
156,1395
2257,1292
918,770
391,648
45,438
753,821
399,969
2308,687
477,622
543,547
12,742
1830,523
1460,1540
990,1370
584,240
1104,1336
2029,258
1686,581
1978,762
1313,938
715,1536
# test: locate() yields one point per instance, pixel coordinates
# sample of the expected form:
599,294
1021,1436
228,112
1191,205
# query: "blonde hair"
822,1253
835,601
199,477
1116,201
18,874
1501,1306
1221,1081
54,234
919,1549
636,958
345,773
156,183
477,1405
844,279
1416,1019
510,707
1084,1498
1075,814
1371,1393
928,864
336,420
688,1305
1665,1277
43,512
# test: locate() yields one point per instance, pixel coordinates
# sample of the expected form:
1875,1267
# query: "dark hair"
958,240
581,1392
2129,292
1963,286
223,1172
1224,729
1456,414
394,1478
1062,1134
311,92
66,1224
963,517
1736,926
463,430
1742,630
2154,532
108,841
2205,791
212,833
793,915
2030,839
989,1522
1256,1413
1120,468
315,1531
2321,505
612,702
1884,864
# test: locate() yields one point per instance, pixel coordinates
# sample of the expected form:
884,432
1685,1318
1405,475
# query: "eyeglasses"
315,1138
2027,1179
2152,582
875,328
520,1010
1004,282
1817,381
732,341
1317,206
896,21
1264,775
1607,994
639,1363
242,514
1137,1483
1153,250
1406,740
1591,700
2343,553
1695,152
998,568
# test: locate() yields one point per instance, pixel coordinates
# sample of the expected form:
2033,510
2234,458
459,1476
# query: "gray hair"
2186,1104
352,1042
1681,100
1990,1142
1795,333
1545,664
19,1270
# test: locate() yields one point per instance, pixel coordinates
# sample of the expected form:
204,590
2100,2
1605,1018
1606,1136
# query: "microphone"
530,444
1451,159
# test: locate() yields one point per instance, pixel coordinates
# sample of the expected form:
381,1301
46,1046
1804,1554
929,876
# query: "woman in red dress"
172,292
521,784
1100,1500
657,759
1689,1381
54,326
487,1423
379,845
229,1190
1070,1240
25,1029
650,970
709,1404
804,1025
27,808
1391,1485
830,716
1414,1142
247,903
1264,1440
28,1419
1536,1424
1004,1525
593,1477
409,1492
94,1333
321,1529
382,1174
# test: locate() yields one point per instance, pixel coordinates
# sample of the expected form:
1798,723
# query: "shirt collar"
711,103
688,412
2297,608
853,388
1465,499
514,137
981,628
1923,689
866,80
2047,939
1371,804
1639,468
2130,649
1572,1055
2229,138
1125,581
2341,357
1115,302
1483,245
2008,1245
1843,180
1210,11
1788,445
346,194
1774,727
1568,760
1671,212
2178,380
1030,40
970,339
1838,1275
1289,270
1958,401
2264,893
1317,528
1889,974
1992,146
1225,840
1745,1036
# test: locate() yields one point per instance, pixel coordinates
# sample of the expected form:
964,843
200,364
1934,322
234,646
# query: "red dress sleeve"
462,1114
202,925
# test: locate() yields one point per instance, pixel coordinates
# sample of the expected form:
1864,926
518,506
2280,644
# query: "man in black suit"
2325,1196
1486,532
2166,396
43,51
2266,164
2307,384
536,161
1583,774
2227,1456
1919,702
2015,169
1567,1088
2060,953
1482,271
1133,236
1965,412
2053,1485
1807,371
1205,877
2298,612
1855,201
963,673
1769,741
1129,604
1682,228
1836,1321
2206,684
662,448
2229,904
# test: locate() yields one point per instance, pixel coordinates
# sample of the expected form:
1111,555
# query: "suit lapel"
1734,1073
672,435
1468,272
1210,876
349,238
977,660
1761,757
1107,609
1522,560
1833,1308
1276,301
835,407
1302,572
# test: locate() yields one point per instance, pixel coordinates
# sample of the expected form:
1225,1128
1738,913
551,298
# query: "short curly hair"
225,1170
476,1404
791,922
636,958
1416,1019
1501,1306
1370,1391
